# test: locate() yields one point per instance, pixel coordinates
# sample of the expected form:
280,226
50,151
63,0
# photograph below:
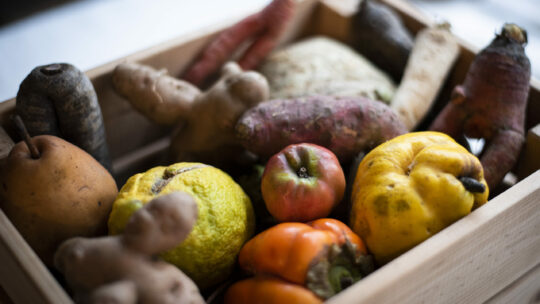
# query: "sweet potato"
345,125
491,103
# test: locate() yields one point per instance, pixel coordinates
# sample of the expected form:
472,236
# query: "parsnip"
434,53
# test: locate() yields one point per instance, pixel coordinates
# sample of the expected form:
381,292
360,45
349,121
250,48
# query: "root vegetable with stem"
491,103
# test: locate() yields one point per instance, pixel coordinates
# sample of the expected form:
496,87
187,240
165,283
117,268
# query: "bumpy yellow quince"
411,187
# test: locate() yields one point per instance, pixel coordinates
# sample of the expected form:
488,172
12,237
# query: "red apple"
302,182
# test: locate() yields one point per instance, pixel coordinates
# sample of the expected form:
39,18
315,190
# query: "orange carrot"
269,290
265,27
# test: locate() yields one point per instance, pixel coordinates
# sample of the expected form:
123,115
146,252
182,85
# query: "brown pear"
61,193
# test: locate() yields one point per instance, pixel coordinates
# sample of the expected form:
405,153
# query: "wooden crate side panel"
469,261
530,157
533,107
334,19
6,143
524,290
22,274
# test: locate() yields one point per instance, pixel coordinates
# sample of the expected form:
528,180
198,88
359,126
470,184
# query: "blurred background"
89,33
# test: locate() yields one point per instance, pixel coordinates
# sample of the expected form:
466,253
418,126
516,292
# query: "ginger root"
161,97
207,120
120,269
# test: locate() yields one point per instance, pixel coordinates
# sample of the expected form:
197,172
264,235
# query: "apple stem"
19,124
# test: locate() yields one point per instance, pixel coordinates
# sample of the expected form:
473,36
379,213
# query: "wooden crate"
491,255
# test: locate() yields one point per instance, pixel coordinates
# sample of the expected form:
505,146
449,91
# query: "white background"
89,33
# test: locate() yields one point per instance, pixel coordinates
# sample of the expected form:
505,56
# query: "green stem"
23,132
337,269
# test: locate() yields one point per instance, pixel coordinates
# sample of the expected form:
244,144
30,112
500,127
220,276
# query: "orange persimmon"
324,255
269,290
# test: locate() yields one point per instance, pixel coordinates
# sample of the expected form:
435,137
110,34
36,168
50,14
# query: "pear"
51,190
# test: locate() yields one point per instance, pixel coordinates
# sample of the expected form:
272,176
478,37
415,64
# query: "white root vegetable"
433,55
323,66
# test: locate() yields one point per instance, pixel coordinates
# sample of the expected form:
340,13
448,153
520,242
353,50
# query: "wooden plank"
530,157
23,276
6,143
469,261
413,18
334,19
4,298
524,290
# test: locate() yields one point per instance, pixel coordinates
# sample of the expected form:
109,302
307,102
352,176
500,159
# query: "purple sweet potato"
345,125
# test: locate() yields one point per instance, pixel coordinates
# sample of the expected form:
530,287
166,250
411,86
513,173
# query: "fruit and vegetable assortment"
286,225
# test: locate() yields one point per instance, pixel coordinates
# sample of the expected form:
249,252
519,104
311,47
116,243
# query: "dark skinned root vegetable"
344,125
379,34
58,99
491,103
263,28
